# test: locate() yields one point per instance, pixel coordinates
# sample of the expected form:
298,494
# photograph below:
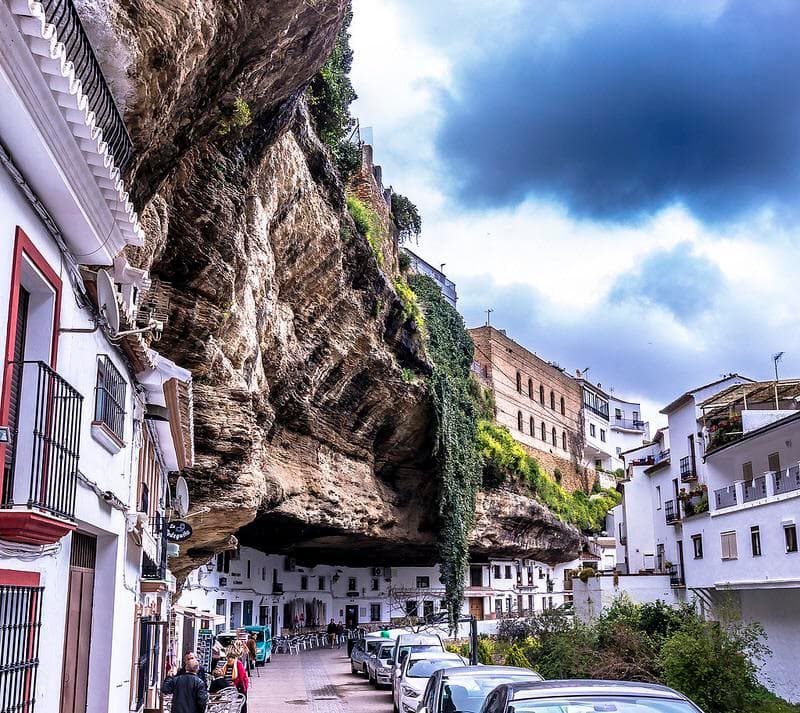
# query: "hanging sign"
178,531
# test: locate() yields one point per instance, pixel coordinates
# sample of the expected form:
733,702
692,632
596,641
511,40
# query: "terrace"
771,486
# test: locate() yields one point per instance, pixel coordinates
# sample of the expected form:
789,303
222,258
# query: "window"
248,569
530,389
755,541
224,562
498,607
618,414
564,440
635,415
519,420
411,607
352,584
554,437
592,430
519,382
321,584
552,401
541,394
423,582
747,471
658,497
375,585
109,397
263,574
475,576
603,435
533,427
220,607
508,571
728,545
374,612
497,573
790,536
697,544
304,582
598,464
563,407
619,451
595,404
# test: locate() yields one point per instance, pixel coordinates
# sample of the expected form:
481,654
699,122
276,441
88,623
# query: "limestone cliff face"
308,437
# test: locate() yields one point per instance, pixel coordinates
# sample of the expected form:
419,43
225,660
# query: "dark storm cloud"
639,110
677,280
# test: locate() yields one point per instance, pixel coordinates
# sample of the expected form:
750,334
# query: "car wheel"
353,668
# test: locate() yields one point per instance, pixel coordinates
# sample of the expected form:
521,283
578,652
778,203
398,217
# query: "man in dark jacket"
189,693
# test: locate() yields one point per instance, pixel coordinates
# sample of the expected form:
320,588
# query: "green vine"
503,456
368,224
451,352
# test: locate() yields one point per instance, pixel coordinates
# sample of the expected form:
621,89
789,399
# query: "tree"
406,217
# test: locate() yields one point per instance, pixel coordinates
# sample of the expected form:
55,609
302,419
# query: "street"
318,681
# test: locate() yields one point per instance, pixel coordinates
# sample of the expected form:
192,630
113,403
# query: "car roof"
433,655
488,671
406,639
541,689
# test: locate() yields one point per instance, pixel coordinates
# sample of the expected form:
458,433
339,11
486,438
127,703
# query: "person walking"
189,693
339,634
252,649
236,672
332,632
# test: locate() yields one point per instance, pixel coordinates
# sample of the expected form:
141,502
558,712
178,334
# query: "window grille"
20,624
109,404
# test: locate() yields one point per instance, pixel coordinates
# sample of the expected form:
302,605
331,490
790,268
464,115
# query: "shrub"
406,217
411,308
516,657
234,116
368,224
404,261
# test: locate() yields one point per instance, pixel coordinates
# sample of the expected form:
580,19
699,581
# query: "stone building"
537,401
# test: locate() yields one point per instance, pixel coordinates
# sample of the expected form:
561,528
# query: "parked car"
379,664
263,642
361,650
578,696
407,643
465,689
417,668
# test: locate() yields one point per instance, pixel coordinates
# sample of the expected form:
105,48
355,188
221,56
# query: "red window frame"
25,249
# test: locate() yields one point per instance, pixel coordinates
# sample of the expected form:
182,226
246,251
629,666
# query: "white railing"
766,487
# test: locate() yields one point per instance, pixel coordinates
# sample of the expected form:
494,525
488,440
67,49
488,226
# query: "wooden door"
476,607
75,676
351,616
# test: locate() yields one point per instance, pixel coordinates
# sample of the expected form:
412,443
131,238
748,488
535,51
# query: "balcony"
630,424
41,463
771,486
725,497
688,470
676,578
63,16
755,489
787,480
154,569
672,514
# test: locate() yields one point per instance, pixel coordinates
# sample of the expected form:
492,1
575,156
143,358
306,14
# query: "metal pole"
473,641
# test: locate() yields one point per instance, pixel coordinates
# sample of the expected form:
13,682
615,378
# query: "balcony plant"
724,431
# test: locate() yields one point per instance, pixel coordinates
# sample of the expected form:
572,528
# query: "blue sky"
618,180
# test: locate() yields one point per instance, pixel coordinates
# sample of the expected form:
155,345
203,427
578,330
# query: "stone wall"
499,359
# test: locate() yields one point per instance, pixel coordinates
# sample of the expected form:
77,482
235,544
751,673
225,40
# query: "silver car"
579,696
361,651
465,689
379,664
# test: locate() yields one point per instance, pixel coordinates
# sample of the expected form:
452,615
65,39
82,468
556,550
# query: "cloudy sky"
618,180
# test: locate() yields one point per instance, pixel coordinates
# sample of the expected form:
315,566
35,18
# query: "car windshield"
372,646
602,704
259,636
417,648
424,668
466,694
386,651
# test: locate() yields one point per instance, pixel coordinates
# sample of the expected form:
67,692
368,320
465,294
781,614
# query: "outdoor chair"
294,646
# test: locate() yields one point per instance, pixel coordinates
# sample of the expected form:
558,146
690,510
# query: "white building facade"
710,508
90,426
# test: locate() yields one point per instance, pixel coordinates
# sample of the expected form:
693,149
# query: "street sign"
178,531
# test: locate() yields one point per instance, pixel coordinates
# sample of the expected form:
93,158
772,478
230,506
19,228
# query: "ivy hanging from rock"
451,352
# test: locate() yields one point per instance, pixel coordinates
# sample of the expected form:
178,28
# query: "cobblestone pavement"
316,681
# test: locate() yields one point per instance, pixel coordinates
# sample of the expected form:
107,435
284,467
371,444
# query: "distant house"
419,266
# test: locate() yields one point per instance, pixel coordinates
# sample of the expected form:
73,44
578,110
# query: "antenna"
488,320
776,358
181,504
107,300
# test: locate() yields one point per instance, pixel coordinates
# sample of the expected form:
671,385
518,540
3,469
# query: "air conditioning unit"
376,571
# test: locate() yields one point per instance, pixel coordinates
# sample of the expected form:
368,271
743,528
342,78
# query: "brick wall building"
538,403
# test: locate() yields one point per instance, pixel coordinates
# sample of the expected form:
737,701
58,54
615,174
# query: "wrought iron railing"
725,497
64,17
671,513
632,424
109,397
20,624
688,470
675,575
43,473
755,489
157,570
661,456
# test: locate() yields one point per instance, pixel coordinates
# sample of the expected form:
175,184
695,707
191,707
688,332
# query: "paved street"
317,681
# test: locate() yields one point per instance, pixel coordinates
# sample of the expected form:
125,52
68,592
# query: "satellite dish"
107,300
182,497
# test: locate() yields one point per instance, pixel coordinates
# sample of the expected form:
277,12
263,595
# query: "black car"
465,689
579,696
